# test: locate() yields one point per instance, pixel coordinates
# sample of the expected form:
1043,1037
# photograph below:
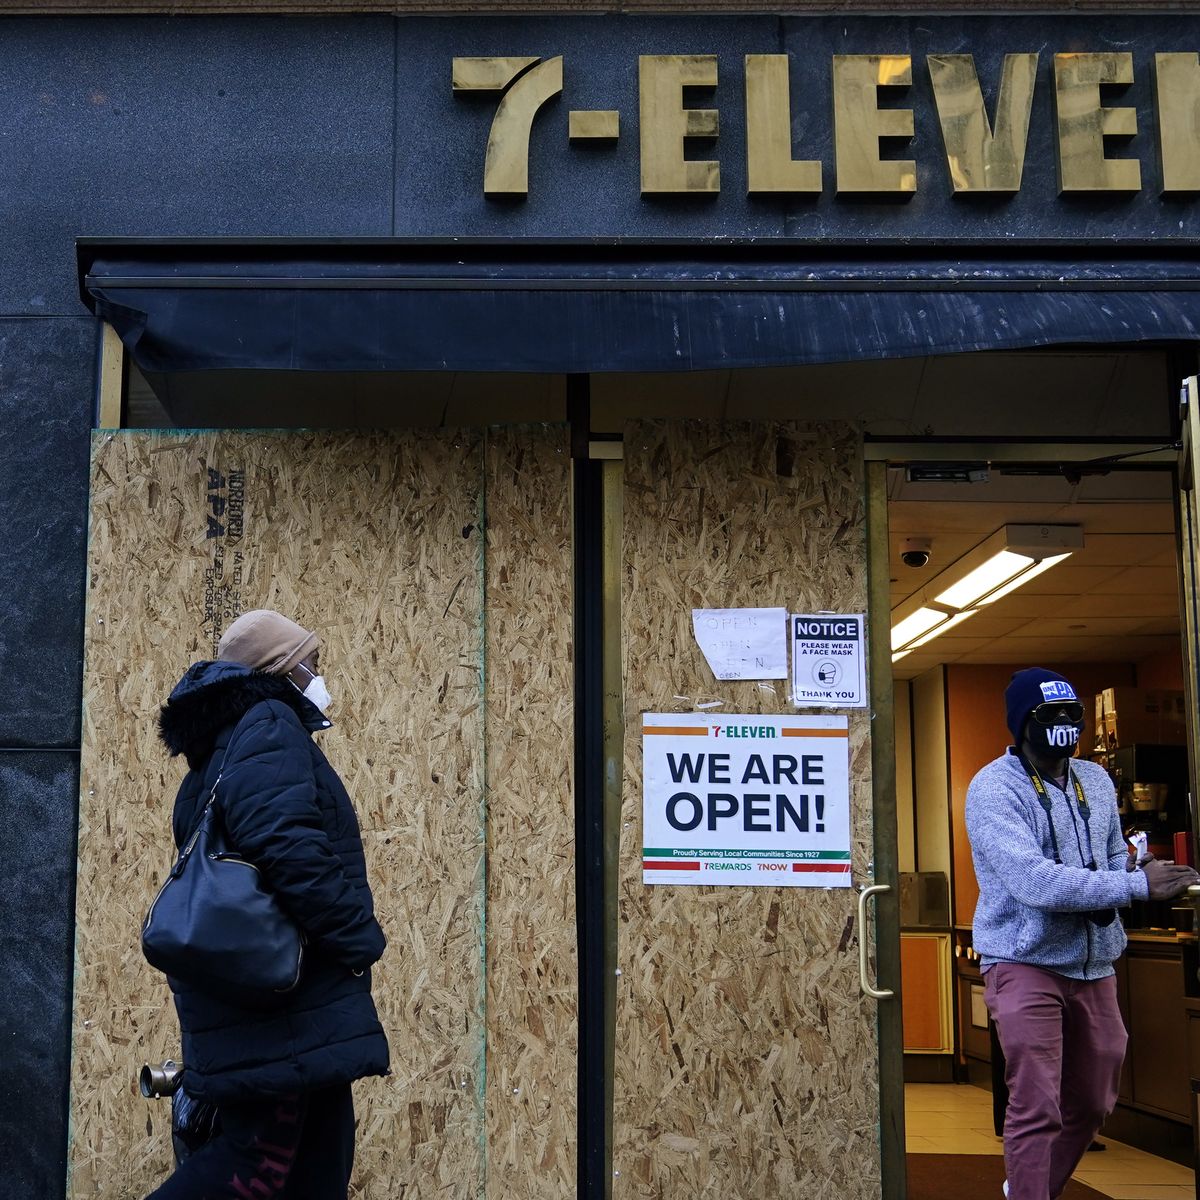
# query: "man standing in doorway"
1053,870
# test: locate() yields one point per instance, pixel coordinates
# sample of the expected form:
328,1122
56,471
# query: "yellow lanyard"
1084,811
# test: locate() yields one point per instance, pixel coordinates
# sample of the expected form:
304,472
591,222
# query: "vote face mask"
1055,739
1056,725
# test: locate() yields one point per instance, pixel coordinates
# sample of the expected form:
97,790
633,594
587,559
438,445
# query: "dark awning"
477,305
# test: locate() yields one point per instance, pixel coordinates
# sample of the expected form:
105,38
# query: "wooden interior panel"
973,1041
1158,1033
931,819
906,837
926,992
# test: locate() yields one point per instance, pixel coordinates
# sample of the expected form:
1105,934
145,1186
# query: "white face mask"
316,692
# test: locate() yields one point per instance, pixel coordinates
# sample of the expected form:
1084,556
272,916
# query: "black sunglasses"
1057,712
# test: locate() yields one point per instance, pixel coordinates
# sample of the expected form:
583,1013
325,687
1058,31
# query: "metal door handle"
863,896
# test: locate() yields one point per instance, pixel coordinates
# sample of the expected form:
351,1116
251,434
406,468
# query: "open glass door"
1189,551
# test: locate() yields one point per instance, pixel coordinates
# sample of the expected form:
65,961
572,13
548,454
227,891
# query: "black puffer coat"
285,810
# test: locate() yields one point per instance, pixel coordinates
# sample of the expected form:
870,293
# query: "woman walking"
279,1075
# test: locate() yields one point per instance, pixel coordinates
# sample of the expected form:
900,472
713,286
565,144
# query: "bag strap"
194,837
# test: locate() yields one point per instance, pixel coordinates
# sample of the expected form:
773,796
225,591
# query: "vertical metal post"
613,482
588,530
1187,532
883,791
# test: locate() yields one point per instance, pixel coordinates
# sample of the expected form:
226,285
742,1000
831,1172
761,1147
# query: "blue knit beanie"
1028,689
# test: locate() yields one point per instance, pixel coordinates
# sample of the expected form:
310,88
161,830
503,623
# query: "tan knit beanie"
267,641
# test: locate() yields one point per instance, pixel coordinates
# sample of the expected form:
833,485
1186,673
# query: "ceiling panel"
1069,578
1161,626
1123,549
1115,604
1035,649
1071,628
1027,605
1168,556
986,624
1032,654
1154,579
1036,391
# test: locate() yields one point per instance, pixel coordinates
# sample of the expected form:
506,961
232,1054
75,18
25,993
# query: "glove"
1167,879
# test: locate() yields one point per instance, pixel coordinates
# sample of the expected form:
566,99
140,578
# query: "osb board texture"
746,1061
532,967
376,542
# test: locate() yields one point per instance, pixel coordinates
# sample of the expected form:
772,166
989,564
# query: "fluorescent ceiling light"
900,654
912,627
1022,579
1000,564
987,577
954,620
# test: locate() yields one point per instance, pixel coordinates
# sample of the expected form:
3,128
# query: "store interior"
1106,615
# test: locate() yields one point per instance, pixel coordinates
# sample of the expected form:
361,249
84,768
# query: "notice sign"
750,801
828,663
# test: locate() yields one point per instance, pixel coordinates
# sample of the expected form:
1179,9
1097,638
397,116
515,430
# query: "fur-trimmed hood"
211,696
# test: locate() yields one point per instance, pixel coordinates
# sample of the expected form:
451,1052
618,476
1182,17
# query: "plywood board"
532,965
746,1059
376,541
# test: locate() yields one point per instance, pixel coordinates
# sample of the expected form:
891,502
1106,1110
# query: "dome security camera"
916,552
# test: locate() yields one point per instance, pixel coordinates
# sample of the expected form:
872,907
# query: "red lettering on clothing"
277,1168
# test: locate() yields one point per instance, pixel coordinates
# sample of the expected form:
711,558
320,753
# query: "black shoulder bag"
214,924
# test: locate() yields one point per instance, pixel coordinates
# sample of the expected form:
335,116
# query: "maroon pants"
1064,1043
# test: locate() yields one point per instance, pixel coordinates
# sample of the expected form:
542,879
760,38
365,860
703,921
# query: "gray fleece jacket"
1032,910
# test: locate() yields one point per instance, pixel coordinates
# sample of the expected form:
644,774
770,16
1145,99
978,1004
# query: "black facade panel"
935,213
156,126
194,126
573,190
38,812
594,189
47,371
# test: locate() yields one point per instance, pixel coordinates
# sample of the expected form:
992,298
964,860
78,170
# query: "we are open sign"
756,801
